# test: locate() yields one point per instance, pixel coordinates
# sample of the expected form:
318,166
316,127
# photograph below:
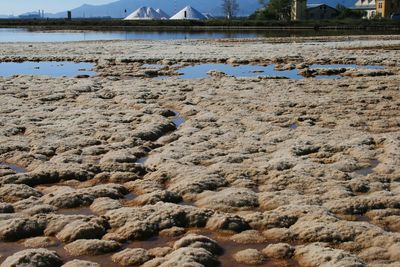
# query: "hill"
213,7
117,9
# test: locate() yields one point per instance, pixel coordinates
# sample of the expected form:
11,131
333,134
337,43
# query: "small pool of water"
46,68
15,168
201,70
178,120
368,170
142,160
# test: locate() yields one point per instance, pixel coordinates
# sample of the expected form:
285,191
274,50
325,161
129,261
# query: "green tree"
346,13
275,9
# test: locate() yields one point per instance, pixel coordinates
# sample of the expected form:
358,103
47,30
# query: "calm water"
46,68
26,35
201,70
13,167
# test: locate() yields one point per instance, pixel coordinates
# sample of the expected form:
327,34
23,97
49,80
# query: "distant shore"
214,25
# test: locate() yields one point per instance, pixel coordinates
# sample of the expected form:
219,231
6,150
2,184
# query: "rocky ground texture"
120,169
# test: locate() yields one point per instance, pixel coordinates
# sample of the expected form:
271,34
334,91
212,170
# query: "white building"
188,13
369,6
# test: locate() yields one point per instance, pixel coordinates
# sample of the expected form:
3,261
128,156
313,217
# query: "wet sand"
124,167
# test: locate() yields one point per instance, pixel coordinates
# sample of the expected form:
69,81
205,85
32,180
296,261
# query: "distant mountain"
117,9
213,7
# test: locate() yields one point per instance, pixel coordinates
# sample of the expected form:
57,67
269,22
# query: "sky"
16,7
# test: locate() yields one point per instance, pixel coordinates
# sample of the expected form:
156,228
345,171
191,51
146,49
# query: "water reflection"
28,35
46,68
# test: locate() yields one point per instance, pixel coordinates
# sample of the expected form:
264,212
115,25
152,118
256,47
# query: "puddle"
293,126
130,196
142,160
200,71
178,120
46,68
368,170
15,168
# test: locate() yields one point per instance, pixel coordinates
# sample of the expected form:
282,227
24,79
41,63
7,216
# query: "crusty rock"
102,205
157,196
187,257
16,192
132,256
40,209
220,221
80,263
279,251
91,247
173,231
228,199
317,254
249,256
160,251
18,228
82,229
33,257
198,241
140,222
40,242
248,237
69,198
56,222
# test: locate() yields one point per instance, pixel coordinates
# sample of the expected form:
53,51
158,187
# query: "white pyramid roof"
144,13
188,13
163,14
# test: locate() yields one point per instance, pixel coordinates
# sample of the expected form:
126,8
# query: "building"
188,13
368,6
321,11
299,10
387,8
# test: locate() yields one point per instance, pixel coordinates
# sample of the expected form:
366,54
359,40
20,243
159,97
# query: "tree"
230,8
274,9
282,8
346,13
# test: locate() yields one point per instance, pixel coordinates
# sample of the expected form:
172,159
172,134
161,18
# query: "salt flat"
277,172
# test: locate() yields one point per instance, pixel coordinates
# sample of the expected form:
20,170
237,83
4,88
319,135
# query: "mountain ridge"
117,9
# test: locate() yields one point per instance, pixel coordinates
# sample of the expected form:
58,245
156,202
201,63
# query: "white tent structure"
188,13
163,14
144,13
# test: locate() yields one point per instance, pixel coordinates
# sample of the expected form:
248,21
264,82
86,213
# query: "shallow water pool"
201,70
46,68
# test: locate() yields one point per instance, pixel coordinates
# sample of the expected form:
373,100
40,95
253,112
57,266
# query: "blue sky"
16,7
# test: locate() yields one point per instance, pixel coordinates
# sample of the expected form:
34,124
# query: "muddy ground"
121,169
